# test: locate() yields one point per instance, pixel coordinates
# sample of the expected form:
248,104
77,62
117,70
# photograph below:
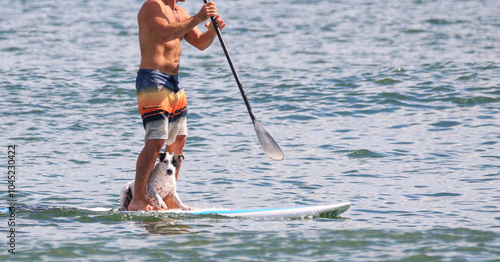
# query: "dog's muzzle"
170,172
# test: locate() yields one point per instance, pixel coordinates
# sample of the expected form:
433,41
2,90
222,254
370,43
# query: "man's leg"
177,148
144,167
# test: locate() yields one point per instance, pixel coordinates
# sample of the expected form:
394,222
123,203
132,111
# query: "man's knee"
181,140
178,145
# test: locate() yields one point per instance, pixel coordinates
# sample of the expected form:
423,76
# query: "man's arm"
169,30
204,40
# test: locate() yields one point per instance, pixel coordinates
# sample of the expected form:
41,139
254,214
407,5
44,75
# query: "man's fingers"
211,9
208,10
220,23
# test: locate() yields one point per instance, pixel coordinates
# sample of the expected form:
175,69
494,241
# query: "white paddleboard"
267,213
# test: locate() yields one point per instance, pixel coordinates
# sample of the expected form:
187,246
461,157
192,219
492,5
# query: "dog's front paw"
163,206
187,208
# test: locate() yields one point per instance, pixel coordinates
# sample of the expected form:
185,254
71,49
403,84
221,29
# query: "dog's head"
170,162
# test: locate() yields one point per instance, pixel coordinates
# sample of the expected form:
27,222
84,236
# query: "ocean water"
393,106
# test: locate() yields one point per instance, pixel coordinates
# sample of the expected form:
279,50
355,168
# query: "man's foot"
141,205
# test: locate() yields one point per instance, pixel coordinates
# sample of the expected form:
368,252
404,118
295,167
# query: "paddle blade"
270,147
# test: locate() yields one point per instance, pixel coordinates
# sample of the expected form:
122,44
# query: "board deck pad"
261,213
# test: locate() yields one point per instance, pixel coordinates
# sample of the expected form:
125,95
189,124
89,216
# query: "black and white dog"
161,183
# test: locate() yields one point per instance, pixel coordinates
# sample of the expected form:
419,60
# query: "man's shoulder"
151,4
152,1
150,7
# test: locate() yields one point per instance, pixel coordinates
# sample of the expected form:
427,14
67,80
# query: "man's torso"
156,54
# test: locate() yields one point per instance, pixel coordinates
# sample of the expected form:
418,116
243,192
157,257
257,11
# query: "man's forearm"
206,39
177,30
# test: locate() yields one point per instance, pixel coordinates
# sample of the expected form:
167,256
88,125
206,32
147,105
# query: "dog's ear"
178,159
162,156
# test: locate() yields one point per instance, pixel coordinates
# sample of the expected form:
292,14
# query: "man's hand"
203,40
220,23
208,10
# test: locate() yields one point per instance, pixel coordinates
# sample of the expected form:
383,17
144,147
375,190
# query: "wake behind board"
267,213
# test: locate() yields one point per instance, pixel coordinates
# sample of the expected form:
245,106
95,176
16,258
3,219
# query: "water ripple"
390,105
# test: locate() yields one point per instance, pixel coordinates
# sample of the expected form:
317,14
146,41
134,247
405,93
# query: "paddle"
270,147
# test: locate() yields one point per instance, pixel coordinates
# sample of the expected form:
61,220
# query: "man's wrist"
197,19
211,28
212,31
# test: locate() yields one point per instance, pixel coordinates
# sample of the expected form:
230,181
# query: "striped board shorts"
162,104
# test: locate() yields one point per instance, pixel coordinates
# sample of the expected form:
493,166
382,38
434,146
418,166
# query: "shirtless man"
160,94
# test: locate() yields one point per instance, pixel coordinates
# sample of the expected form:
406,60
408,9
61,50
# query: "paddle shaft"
269,145
235,74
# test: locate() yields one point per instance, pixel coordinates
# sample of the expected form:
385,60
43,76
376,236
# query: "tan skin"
162,26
